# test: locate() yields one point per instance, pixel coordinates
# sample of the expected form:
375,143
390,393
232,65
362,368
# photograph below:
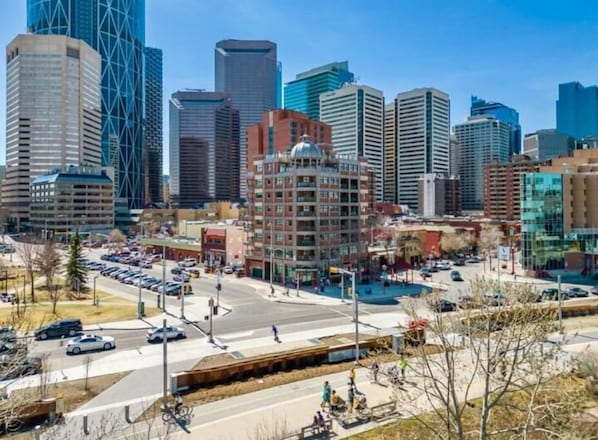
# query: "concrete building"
153,126
504,114
53,113
502,187
546,144
303,93
481,140
280,130
116,29
439,195
390,153
423,124
577,110
77,198
204,148
356,115
248,71
308,210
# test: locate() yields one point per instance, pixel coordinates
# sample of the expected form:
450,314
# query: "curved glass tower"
116,29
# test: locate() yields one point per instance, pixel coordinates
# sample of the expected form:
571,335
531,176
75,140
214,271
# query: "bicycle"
170,415
14,424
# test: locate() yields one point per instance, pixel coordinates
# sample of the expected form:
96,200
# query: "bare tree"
48,260
451,243
116,239
27,251
487,353
488,240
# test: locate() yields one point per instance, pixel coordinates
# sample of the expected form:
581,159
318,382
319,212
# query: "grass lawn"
111,308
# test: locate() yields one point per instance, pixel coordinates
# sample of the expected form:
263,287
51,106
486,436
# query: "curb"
282,301
101,329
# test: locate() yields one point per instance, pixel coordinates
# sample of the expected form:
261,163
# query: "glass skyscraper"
577,110
303,94
542,225
248,71
204,148
116,29
503,113
153,125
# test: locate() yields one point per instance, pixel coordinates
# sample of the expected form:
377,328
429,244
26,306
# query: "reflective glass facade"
303,94
542,226
116,29
502,113
577,110
153,125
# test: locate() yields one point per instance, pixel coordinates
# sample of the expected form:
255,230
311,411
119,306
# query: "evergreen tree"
76,272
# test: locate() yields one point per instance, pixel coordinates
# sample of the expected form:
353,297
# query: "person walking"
352,376
375,368
402,365
350,399
326,396
275,333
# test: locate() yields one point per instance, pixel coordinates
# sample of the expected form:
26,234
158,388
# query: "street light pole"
211,305
139,313
218,287
356,315
164,274
561,331
95,302
271,253
164,366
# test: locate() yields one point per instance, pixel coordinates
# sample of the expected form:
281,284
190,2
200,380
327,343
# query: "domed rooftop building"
306,149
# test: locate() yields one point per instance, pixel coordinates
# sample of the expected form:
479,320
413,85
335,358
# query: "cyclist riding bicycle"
178,403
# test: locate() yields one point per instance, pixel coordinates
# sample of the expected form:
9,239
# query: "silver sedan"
90,343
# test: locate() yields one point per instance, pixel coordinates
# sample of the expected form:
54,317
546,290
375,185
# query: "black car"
459,262
444,305
456,276
66,327
552,294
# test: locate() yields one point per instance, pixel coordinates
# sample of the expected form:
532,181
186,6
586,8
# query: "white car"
156,333
443,265
90,343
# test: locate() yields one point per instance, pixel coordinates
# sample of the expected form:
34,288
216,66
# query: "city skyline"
502,71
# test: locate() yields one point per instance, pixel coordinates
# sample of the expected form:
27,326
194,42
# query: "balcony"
306,184
306,199
306,214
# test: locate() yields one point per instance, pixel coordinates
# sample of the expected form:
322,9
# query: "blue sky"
512,51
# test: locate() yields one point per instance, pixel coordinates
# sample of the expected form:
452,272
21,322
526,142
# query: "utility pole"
164,365
271,253
139,312
211,305
356,314
164,274
561,331
95,301
183,290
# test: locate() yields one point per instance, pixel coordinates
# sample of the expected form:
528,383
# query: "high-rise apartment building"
53,116
280,130
504,114
204,148
481,140
390,153
502,187
546,144
577,110
356,115
153,125
116,29
248,71
303,93
308,210
439,195
423,124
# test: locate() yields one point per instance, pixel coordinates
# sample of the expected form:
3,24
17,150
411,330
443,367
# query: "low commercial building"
79,198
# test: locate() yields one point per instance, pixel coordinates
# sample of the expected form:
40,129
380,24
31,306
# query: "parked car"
90,343
473,259
7,334
456,276
552,294
157,333
425,272
577,292
443,265
146,264
108,270
25,366
181,278
66,327
177,270
459,262
228,269
173,288
6,297
116,273
149,281
594,290
444,305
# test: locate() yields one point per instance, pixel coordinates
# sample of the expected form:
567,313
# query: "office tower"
116,29
546,144
356,115
481,140
303,93
247,70
280,130
504,114
502,187
577,110
308,210
423,124
153,125
204,148
453,156
439,195
390,153
53,117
